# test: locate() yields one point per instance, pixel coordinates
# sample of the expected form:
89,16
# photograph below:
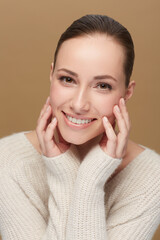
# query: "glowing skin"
80,97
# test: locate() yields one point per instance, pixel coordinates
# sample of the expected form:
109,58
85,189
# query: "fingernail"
105,119
54,120
122,101
117,108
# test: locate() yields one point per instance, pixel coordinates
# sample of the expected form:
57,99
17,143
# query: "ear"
51,72
130,90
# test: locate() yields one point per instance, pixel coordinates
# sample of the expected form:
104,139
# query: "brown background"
28,36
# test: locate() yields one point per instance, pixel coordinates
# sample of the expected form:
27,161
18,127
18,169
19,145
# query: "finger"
103,139
50,131
124,112
121,149
51,148
123,131
43,122
122,136
42,125
45,107
61,139
112,139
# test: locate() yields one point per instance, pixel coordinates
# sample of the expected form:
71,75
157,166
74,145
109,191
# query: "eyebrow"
100,77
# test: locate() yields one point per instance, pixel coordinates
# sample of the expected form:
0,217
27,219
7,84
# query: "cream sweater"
62,198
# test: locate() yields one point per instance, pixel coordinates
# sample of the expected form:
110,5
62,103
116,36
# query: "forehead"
96,53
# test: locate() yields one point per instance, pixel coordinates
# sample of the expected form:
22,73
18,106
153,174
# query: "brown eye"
104,86
66,79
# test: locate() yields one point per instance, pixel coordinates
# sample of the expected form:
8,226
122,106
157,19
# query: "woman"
74,177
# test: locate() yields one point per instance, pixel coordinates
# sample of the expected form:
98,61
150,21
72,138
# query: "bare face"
87,81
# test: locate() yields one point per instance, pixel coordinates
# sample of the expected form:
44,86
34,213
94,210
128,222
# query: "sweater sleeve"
140,227
135,211
20,217
61,175
87,220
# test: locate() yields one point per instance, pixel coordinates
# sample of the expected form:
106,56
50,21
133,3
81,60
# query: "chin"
79,139
76,140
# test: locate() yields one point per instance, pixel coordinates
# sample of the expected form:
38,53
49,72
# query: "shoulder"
147,155
149,160
145,159
140,170
139,153
14,149
138,182
143,172
9,144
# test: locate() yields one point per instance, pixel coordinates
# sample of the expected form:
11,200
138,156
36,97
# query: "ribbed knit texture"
65,198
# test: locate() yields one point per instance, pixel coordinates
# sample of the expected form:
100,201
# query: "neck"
84,148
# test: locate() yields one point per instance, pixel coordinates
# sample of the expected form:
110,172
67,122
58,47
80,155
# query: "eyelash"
63,79
106,86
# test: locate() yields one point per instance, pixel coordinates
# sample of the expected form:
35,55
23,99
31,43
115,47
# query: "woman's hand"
115,145
45,132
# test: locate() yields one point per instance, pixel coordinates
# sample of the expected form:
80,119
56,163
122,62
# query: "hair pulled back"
90,24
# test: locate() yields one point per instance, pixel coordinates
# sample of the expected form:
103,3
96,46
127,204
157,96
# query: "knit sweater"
65,198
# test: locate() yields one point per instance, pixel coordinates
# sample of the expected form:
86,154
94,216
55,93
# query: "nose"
80,103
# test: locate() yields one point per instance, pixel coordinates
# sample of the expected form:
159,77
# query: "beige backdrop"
28,36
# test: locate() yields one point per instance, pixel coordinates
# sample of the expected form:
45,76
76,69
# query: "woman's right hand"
45,132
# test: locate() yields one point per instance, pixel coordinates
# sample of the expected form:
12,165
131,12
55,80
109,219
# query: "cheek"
56,96
105,105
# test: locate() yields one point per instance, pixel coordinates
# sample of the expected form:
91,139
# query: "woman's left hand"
112,144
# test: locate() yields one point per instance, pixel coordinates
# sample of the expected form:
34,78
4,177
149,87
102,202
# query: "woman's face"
87,81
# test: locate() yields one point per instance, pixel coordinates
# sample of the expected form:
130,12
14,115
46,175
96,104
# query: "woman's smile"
77,122
86,83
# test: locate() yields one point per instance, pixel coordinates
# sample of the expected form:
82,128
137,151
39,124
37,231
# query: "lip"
78,117
77,126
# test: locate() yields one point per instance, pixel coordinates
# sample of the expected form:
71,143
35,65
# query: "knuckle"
114,139
50,125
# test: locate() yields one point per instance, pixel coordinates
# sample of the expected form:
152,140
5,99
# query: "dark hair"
90,24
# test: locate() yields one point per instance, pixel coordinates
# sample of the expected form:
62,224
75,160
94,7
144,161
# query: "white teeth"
78,121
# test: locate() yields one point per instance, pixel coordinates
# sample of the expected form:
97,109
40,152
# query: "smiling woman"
81,94
75,177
